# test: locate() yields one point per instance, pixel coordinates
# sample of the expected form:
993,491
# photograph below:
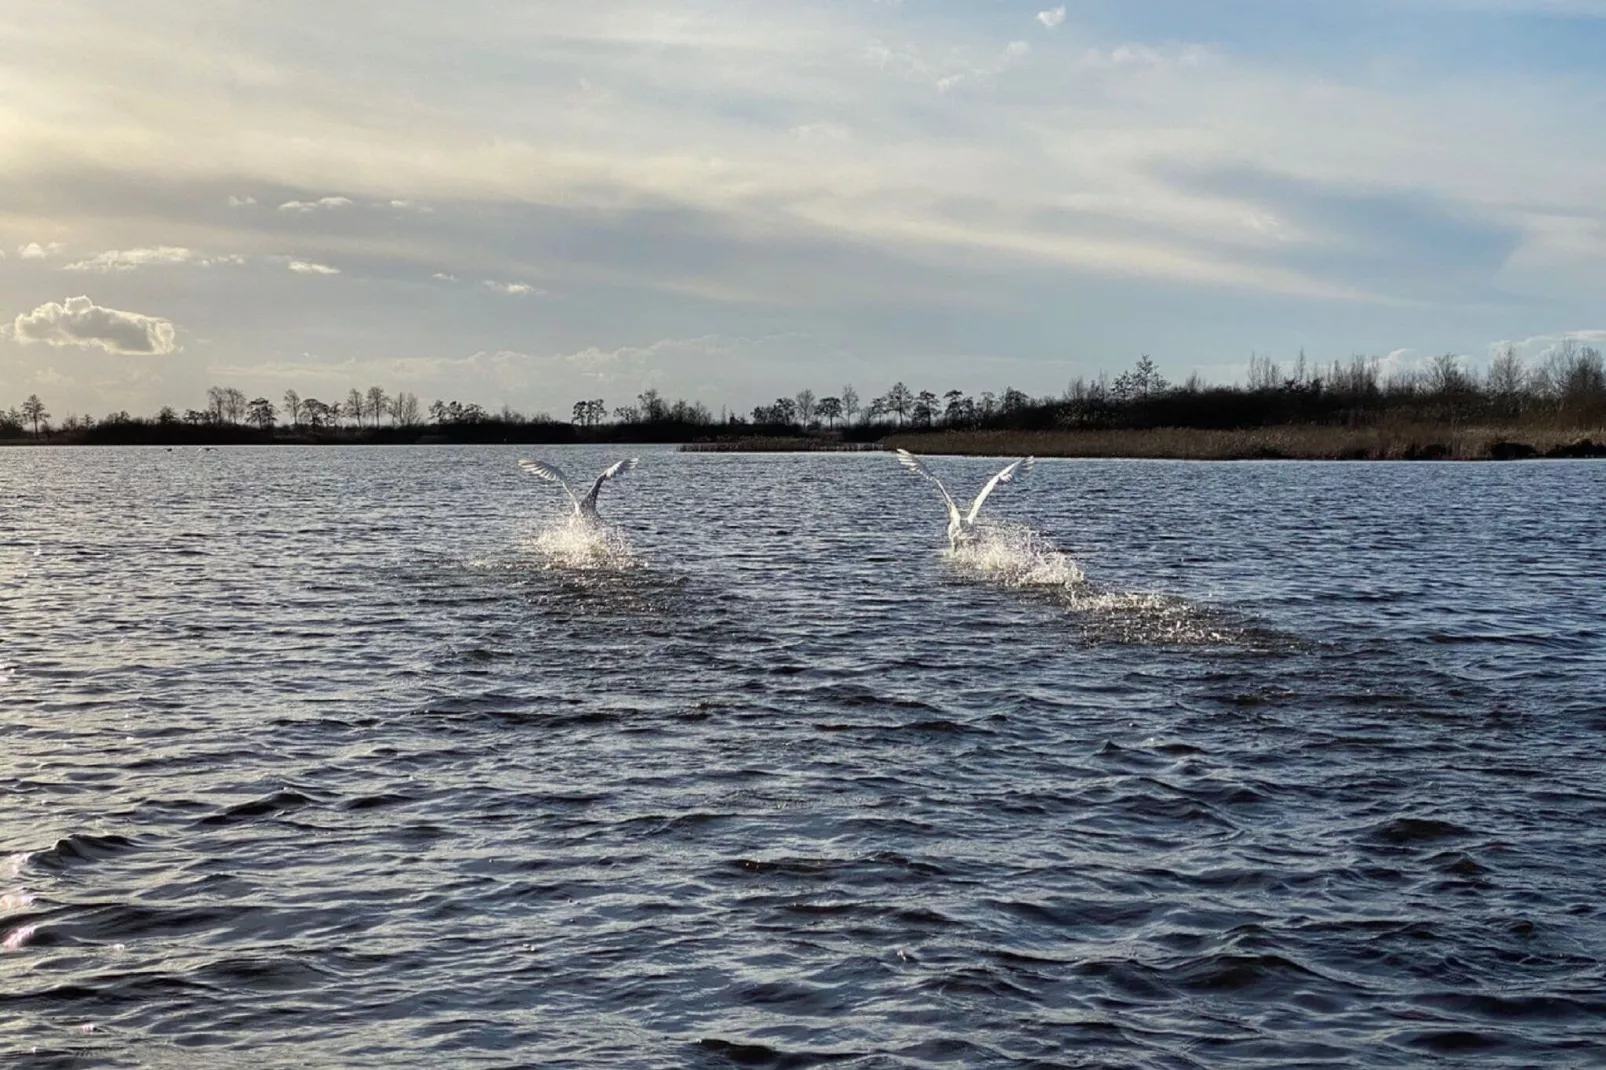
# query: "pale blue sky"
529,203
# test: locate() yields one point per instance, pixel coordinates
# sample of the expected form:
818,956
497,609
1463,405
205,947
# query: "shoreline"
1401,442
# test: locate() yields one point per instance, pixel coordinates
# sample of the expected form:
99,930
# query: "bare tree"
292,407
850,403
234,404
217,403
378,404
404,409
805,407
1504,380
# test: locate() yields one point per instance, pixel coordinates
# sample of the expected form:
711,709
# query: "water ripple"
363,757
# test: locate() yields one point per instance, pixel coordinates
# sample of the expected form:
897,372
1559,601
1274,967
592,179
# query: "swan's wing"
911,462
553,474
613,471
1008,475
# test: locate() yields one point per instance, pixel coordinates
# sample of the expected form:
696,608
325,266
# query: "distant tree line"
1567,389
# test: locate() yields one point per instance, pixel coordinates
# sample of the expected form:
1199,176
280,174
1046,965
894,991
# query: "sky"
529,203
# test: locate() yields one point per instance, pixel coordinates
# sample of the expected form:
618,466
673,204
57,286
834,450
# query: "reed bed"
776,444
1316,443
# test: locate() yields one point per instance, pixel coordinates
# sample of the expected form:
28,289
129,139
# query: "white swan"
585,508
961,526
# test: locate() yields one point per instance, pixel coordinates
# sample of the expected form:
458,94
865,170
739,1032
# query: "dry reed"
1314,442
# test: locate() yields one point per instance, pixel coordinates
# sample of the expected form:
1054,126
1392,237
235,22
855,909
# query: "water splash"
1021,558
1016,556
578,543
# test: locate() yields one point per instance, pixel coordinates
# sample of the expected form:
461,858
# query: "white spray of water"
1018,557
578,542
1015,556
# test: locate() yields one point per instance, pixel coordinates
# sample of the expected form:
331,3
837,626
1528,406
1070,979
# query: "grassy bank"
1403,442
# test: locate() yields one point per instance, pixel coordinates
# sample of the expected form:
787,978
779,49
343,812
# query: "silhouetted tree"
850,403
378,404
33,410
805,406
261,412
829,409
404,409
651,407
292,407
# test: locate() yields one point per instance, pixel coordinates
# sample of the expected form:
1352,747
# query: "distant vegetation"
1345,409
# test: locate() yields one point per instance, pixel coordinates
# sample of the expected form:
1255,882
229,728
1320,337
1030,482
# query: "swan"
584,508
961,526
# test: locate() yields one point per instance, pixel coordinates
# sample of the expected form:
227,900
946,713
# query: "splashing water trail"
1021,558
579,543
1016,556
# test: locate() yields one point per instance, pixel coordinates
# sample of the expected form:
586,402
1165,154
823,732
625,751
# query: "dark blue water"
329,757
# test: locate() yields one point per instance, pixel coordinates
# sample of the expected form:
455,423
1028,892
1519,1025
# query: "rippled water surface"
356,758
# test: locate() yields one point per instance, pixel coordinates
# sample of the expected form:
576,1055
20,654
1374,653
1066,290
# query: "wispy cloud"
1052,17
309,267
241,202
34,251
514,289
82,323
129,259
313,206
441,276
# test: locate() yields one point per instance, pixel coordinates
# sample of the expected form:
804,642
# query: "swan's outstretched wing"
613,471
1006,476
911,462
552,473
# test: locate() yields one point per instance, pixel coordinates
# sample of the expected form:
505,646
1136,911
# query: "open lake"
348,757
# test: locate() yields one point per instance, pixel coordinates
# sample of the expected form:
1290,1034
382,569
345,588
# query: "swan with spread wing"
962,526
584,508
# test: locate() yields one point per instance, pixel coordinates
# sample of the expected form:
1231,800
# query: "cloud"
241,202
1539,346
34,251
406,206
515,289
81,322
313,206
308,267
441,276
1052,17
129,259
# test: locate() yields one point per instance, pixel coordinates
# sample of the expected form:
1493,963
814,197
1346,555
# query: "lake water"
347,758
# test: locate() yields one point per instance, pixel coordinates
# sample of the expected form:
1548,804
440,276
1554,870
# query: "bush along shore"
1343,411
1409,442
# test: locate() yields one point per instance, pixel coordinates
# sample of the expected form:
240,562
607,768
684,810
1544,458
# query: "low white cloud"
309,267
1538,347
1052,17
515,289
81,322
34,251
129,259
313,206
441,276
406,206
241,202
